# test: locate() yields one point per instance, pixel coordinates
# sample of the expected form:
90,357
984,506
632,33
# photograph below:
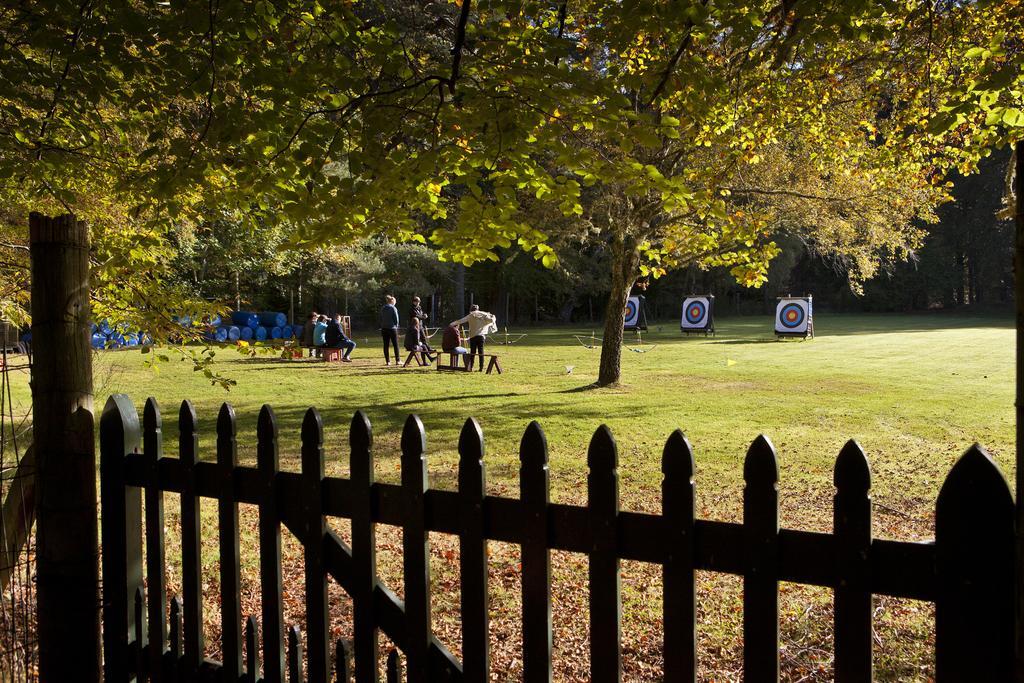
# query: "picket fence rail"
968,571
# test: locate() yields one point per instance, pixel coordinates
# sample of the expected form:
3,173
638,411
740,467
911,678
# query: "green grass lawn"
915,391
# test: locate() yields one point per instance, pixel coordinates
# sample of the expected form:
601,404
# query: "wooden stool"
493,364
331,355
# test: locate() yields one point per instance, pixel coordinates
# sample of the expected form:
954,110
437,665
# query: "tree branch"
460,40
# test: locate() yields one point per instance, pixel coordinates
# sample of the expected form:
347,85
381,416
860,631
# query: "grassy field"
915,391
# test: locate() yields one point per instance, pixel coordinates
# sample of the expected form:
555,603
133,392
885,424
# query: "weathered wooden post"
66,522
1018,294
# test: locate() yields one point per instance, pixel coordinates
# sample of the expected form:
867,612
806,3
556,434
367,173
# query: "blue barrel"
287,332
214,321
275,333
234,333
245,319
105,327
273,319
98,341
221,334
260,333
131,340
115,341
245,333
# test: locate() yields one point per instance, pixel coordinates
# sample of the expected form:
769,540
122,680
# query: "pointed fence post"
535,494
122,535
227,522
680,600
473,555
605,592
252,651
191,538
156,581
295,656
974,538
67,548
394,667
342,665
175,638
760,580
364,550
318,629
270,548
852,533
416,549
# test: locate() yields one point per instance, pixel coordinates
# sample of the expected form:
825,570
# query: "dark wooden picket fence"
968,571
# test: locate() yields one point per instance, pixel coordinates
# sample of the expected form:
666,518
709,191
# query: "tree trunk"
624,262
66,518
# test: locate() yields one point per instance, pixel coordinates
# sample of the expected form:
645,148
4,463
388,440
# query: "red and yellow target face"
792,315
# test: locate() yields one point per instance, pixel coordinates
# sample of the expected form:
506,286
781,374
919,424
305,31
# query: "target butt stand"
794,317
698,315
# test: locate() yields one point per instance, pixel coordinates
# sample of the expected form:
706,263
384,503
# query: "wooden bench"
453,364
468,361
420,356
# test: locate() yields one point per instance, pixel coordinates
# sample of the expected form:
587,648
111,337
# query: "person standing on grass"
336,339
481,324
415,312
389,329
320,334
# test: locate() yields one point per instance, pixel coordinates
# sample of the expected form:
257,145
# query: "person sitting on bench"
481,324
416,341
320,334
336,339
451,340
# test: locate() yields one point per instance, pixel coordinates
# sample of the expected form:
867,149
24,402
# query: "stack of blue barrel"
107,336
249,326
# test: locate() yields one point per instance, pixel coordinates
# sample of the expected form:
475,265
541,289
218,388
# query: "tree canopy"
674,132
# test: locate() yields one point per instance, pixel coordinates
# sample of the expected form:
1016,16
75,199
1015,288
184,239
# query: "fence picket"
364,550
191,539
176,639
318,642
394,667
760,580
974,535
295,656
473,554
227,524
252,651
342,665
680,599
156,581
535,492
416,550
852,529
270,548
605,592
140,667
121,533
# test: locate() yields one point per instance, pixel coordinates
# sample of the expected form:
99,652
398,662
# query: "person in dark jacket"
416,312
336,339
415,340
389,329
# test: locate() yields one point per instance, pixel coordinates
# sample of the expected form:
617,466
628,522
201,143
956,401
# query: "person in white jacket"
481,324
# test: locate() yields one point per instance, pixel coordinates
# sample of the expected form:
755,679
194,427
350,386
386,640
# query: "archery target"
632,313
696,313
792,316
